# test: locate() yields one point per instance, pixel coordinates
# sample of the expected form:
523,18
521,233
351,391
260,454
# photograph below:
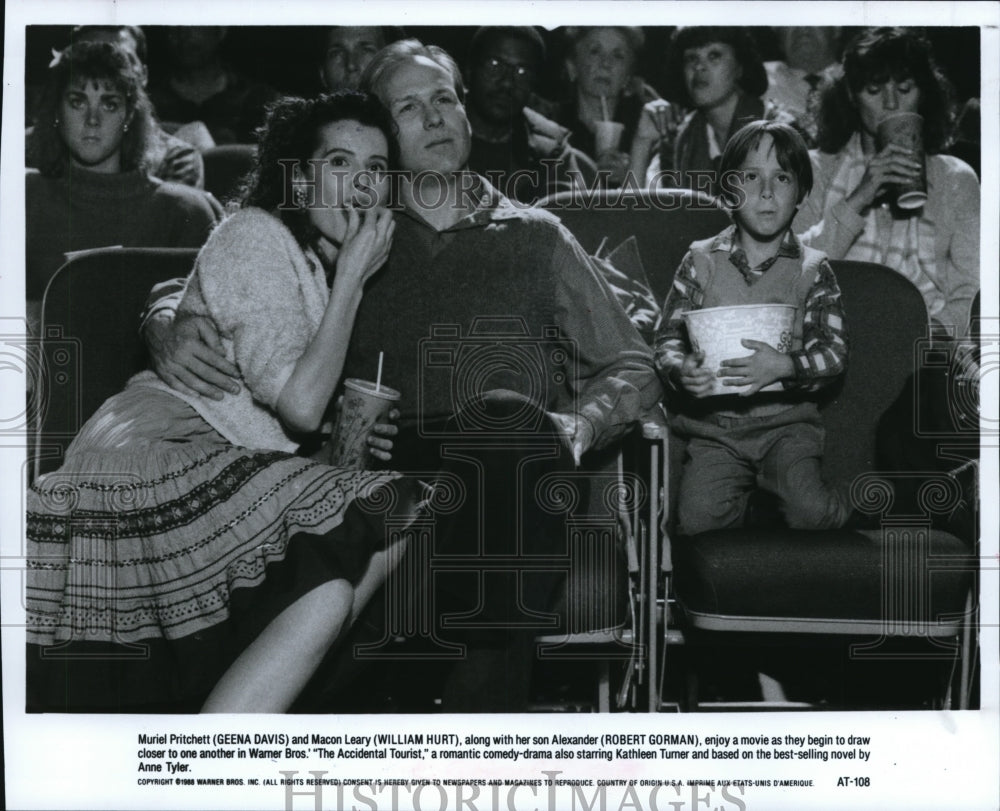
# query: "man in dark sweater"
513,360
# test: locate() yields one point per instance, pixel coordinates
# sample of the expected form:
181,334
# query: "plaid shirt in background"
824,336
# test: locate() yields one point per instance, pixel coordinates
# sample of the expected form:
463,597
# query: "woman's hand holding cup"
893,165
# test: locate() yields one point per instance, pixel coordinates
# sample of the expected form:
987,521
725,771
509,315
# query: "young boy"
772,439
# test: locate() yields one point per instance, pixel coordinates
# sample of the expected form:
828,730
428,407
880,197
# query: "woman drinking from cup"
236,562
883,192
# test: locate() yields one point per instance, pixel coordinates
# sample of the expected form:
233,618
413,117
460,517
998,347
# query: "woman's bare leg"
379,568
272,671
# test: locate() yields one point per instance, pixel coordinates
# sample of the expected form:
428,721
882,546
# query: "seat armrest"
654,425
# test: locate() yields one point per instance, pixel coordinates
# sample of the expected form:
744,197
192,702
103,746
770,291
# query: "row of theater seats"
907,578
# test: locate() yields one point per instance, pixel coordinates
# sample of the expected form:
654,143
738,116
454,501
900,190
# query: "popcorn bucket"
718,331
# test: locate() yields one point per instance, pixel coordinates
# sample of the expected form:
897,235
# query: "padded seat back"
664,222
225,167
90,336
886,321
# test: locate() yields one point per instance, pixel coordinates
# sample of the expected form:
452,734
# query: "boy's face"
770,193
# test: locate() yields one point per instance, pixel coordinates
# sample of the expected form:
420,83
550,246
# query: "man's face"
194,46
348,50
802,44
433,131
502,79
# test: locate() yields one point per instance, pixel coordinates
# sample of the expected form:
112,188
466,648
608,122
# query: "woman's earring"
125,128
299,195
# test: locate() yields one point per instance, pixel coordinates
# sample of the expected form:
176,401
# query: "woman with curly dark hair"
92,188
717,74
237,562
850,213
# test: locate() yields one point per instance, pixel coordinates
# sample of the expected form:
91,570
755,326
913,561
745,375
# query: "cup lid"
368,387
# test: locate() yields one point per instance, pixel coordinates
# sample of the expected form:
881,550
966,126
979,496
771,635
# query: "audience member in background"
793,83
850,214
236,562
717,74
170,157
966,140
601,64
92,188
347,49
200,86
511,131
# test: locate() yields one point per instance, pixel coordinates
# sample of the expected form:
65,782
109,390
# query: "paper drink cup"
607,136
906,130
718,332
361,408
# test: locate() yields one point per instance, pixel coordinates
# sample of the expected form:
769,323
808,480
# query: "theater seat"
225,167
901,578
664,222
90,337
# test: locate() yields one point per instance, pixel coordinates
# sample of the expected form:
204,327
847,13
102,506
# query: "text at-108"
861,782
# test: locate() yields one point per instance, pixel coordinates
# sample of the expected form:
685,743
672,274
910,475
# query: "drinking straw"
378,379
604,108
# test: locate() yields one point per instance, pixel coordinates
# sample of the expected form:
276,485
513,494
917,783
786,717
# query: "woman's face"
877,101
603,61
350,163
712,74
92,117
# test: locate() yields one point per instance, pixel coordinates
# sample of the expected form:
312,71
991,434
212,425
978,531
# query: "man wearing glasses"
511,133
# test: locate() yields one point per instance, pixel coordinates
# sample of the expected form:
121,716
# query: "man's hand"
693,376
546,138
185,166
188,356
575,431
765,366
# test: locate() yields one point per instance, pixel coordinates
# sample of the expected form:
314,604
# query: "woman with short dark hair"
716,73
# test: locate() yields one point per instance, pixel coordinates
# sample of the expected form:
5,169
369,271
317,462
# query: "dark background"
287,57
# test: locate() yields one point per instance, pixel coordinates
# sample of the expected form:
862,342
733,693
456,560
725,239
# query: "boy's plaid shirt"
824,334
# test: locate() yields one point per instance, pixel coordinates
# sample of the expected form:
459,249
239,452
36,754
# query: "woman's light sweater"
266,297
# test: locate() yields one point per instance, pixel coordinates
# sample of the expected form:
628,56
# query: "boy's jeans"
728,457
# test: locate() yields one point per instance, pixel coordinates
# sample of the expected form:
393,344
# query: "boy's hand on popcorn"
765,366
693,376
